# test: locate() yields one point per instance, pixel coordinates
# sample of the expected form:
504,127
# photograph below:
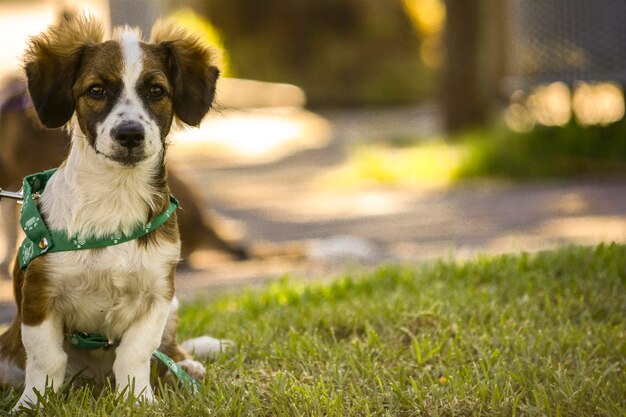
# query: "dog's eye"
156,91
96,91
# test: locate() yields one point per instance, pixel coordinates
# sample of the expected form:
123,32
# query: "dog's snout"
129,134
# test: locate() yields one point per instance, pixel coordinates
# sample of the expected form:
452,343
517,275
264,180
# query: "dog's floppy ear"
52,61
192,71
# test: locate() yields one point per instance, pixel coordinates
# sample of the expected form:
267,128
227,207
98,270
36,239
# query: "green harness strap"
180,374
90,341
39,239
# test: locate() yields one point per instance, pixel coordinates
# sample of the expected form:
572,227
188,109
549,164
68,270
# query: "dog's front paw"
139,395
28,400
22,404
194,368
146,395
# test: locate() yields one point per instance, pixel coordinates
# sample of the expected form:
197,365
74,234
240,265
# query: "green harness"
40,240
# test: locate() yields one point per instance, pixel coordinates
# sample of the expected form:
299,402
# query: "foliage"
571,151
208,33
536,334
340,52
391,162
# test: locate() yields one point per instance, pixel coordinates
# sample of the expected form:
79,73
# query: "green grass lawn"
520,335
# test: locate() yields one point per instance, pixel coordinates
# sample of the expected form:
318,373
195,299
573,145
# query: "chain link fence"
567,40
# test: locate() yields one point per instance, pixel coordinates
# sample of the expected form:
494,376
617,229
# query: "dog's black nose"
128,134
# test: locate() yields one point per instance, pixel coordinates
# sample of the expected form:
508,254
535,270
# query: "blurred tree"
474,60
462,101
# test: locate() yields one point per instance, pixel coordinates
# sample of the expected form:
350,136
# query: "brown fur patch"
168,232
192,70
35,299
18,283
11,346
155,70
167,30
52,62
100,65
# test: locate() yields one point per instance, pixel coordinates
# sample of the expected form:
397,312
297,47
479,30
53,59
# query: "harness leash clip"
12,195
83,340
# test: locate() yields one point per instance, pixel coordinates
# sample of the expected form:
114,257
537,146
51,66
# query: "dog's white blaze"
132,56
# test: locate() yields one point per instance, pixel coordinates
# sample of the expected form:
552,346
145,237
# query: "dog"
26,147
119,98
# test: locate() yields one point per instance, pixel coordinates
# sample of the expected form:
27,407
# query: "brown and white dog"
119,98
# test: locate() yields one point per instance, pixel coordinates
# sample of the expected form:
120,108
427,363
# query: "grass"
515,335
434,162
545,152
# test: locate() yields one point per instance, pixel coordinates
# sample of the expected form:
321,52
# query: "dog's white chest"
106,290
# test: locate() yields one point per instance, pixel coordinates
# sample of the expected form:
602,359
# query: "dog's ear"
192,71
52,61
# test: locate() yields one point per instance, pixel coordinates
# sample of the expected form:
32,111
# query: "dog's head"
124,92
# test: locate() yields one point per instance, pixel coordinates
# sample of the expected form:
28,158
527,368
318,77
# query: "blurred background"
354,132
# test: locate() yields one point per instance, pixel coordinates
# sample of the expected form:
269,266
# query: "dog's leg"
45,359
132,357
